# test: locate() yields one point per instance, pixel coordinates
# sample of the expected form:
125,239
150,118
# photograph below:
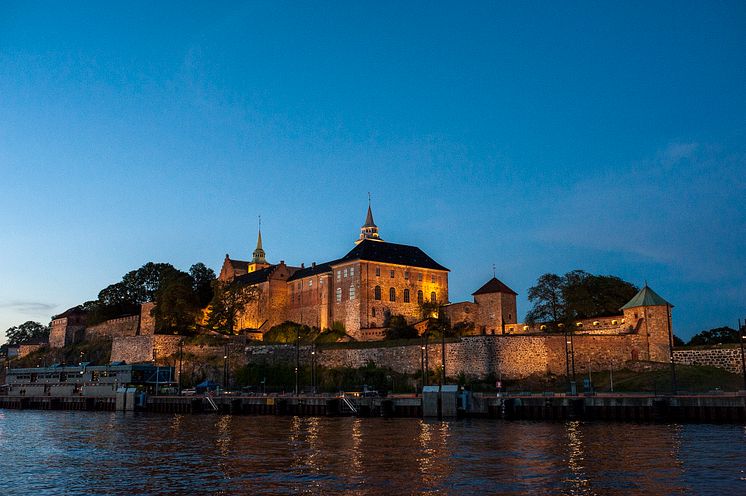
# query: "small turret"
369,229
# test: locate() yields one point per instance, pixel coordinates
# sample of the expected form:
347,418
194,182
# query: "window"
391,273
392,294
310,283
373,312
378,272
339,275
352,271
432,277
352,292
406,296
419,297
345,273
339,295
377,292
419,276
406,275
432,297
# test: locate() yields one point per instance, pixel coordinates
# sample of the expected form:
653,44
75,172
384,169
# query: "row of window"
344,272
392,274
351,294
406,298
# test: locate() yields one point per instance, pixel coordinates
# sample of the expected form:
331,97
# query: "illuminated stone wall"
123,326
724,358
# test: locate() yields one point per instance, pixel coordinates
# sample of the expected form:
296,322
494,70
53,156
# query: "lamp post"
297,357
422,362
741,338
427,365
181,359
567,361
670,349
225,368
313,367
443,356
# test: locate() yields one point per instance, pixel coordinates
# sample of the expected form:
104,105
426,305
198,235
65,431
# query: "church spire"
259,251
369,229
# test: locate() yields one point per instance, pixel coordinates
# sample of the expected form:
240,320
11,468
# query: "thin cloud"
28,307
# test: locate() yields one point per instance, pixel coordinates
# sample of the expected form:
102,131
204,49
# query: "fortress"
377,279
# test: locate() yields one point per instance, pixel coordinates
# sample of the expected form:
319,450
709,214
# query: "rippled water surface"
116,453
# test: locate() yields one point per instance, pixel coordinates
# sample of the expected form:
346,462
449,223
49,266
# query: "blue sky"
538,137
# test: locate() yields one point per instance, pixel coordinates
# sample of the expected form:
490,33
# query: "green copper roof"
646,297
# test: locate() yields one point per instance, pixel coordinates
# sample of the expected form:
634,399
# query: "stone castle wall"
138,349
123,326
724,358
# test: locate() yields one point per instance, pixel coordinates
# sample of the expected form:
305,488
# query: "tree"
202,281
577,295
177,304
397,328
548,300
228,302
27,331
718,335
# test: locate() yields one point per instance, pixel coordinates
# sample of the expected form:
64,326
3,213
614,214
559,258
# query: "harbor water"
65,452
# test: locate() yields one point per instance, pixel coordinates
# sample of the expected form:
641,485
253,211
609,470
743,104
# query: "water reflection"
84,453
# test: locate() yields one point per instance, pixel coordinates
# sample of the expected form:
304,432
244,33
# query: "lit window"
339,275
339,295
352,271
352,292
392,294
310,283
391,273
432,297
345,273
378,272
420,298
406,296
377,292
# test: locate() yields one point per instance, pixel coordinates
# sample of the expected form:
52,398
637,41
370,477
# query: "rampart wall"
114,328
724,358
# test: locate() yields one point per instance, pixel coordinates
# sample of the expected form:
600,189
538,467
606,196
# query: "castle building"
374,280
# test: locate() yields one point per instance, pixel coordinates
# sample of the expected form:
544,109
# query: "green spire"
646,297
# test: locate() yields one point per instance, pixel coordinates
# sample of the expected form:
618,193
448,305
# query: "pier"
715,408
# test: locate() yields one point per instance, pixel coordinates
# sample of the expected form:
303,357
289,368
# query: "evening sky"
535,136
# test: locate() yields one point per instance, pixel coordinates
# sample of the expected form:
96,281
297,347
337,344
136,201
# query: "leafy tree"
202,281
26,332
677,341
719,335
577,295
288,332
228,302
548,300
397,328
176,304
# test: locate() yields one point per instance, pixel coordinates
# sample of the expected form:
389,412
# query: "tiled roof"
646,297
311,271
255,277
494,285
381,251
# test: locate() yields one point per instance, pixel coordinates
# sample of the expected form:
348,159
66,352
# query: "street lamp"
313,367
741,338
422,363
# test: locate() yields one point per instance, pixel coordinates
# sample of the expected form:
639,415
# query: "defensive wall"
512,356
724,358
114,328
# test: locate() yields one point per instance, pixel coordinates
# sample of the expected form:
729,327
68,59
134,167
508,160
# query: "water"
46,453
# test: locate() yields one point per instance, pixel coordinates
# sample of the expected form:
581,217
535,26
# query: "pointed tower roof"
646,297
369,219
259,251
494,285
369,229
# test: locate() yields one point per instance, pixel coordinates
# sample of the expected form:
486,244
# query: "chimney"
302,265
313,264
